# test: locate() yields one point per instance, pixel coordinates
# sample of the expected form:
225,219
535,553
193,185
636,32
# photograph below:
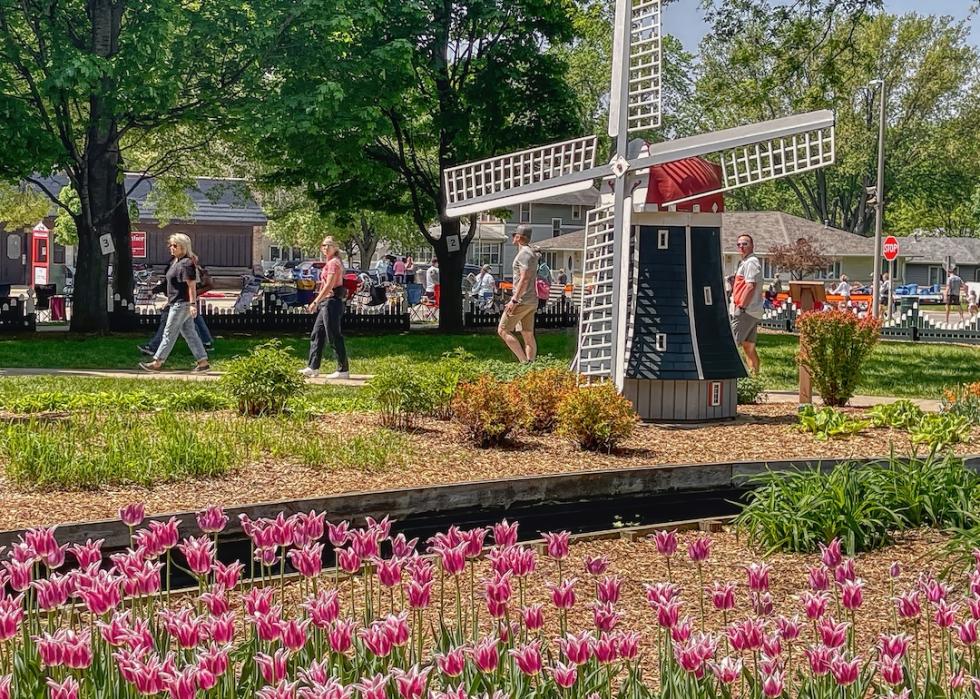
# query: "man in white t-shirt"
746,304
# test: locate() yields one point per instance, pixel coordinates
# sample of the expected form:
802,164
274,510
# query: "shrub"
900,415
827,423
963,400
401,393
596,417
540,392
751,390
834,345
263,381
444,378
487,410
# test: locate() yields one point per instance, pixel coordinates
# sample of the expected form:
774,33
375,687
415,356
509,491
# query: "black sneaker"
145,349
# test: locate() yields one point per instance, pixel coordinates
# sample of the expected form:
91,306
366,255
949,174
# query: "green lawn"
899,369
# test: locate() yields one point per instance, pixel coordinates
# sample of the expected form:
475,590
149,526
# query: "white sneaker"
338,375
309,373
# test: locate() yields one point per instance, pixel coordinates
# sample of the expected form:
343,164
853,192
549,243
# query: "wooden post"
806,295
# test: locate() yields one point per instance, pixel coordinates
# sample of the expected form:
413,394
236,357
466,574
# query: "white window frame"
833,272
663,239
661,342
708,300
576,212
715,392
938,276
555,230
521,218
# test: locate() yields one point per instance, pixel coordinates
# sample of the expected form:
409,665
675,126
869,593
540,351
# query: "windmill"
671,353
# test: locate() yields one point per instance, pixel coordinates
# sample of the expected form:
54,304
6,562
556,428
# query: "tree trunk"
102,196
451,278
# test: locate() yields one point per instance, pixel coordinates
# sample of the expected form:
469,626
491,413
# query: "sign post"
889,250
806,295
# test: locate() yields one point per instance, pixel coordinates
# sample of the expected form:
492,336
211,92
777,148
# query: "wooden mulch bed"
437,455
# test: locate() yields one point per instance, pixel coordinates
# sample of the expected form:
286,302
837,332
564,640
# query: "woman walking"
329,304
181,280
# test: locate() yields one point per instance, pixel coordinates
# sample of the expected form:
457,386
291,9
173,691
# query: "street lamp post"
879,199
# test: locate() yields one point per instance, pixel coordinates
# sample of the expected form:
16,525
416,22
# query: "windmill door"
13,257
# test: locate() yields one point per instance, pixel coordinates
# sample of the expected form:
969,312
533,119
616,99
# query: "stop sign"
889,248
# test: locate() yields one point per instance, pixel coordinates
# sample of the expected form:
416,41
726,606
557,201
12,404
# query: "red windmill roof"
683,178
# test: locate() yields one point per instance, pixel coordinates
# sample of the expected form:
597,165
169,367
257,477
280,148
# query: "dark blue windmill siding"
719,356
662,308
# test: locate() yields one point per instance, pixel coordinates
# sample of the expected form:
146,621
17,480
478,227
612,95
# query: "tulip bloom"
666,543
891,671
758,576
700,549
533,617
505,533
564,675
410,683
845,672
563,594
451,663
528,657
212,520
577,648
486,654
723,596
728,670
63,690
557,544
272,667
831,555
852,594
132,515
596,565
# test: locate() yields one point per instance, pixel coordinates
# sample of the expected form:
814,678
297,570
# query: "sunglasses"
742,245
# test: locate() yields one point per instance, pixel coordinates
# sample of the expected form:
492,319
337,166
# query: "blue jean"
199,324
179,322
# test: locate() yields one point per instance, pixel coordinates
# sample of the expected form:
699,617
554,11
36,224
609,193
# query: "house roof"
214,200
767,228
935,250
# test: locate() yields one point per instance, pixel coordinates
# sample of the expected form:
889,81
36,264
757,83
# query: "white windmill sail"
507,180
637,21
756,153
596,327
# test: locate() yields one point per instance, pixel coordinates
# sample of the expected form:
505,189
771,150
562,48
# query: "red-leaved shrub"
834,346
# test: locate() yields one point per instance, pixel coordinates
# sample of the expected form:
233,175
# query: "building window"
767,270
661,342
485,217
524,214
576,212
297,253
59,254
274,253
663,237
935,275
484,254
552,260
555,227
832,272
714,395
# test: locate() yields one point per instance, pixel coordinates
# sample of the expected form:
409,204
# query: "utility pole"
879,199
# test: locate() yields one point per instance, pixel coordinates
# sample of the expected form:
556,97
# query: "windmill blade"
639,22
536,173
758,153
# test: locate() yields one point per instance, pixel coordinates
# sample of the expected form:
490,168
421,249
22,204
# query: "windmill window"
662,239
707,296
661,342
714,394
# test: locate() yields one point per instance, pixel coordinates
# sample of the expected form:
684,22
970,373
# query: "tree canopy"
425,85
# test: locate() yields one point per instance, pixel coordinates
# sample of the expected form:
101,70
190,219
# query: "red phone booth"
40,255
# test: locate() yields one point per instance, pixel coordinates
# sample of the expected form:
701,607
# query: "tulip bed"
470,613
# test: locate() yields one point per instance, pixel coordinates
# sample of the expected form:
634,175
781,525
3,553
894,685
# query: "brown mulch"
437,455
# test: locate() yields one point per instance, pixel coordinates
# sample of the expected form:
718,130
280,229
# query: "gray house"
927,258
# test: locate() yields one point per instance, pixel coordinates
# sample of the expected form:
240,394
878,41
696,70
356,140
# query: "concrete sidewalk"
856,402
356,380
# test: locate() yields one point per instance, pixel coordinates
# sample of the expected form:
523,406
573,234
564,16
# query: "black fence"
560,313
907,323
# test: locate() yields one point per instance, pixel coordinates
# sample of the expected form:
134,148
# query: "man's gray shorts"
745,328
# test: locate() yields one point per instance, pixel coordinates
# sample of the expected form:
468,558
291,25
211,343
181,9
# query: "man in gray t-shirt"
954,287
519,311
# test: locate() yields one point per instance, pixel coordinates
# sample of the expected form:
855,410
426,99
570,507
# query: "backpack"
204,281
542,289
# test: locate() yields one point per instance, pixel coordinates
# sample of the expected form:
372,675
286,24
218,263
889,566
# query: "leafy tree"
763,64
85,87
799,259
22,207
429,84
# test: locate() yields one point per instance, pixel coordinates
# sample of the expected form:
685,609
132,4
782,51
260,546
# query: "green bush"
827,423
751,390
540,392
900,415
90,451
487,410
263,381
401,393
834,346
445,377
596,417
